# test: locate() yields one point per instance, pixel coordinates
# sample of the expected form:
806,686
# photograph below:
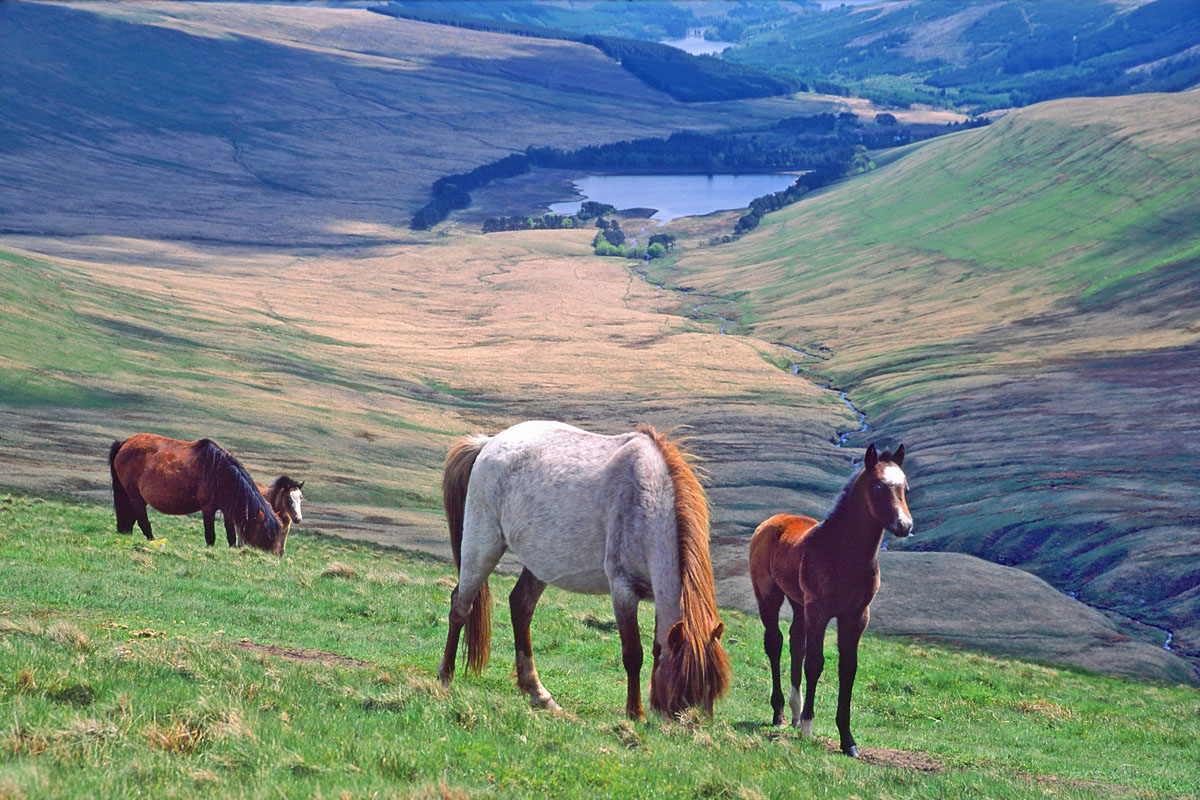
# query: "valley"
214,242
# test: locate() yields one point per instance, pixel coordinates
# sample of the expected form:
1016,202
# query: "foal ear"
717,631
300,485
871,458
898,459
675,637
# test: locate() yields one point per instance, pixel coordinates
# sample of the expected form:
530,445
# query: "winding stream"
796,367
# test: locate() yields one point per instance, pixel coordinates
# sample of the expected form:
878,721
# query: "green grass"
122,673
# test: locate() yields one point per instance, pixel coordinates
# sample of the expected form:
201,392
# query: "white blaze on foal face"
894,476
297,499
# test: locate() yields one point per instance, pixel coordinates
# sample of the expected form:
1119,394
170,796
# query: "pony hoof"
777,721
545,702
851,751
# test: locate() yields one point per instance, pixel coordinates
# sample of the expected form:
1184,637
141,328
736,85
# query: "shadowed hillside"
1020,305
976,55
259,124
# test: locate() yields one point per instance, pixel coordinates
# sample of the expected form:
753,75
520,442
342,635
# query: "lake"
697,45
675,195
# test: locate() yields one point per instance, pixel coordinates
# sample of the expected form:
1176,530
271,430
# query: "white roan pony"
622,515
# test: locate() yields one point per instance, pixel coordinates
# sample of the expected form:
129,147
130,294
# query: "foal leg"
210,531
521,603
814,661
770,601
850,630
625,605
797,651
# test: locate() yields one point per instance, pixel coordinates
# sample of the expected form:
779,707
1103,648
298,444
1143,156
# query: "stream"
796,367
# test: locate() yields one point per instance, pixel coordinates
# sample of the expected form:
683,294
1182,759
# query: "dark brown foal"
827,570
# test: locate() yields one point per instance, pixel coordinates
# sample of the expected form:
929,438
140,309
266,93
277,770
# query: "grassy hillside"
1019,305
185,671
975,55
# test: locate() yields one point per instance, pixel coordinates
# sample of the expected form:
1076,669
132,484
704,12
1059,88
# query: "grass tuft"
339,570
175,735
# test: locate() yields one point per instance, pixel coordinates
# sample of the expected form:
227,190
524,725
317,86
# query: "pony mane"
234,489
701,674
845,492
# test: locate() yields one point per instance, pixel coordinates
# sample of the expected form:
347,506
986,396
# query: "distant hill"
1019,304
200,121
685,77
975,55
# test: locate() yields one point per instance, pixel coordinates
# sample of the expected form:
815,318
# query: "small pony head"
886,485
689,672
286,497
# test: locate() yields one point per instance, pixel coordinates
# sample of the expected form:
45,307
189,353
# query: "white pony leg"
482,546
795,702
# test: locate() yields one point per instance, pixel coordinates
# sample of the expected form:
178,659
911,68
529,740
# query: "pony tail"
455,477
699,673
122,505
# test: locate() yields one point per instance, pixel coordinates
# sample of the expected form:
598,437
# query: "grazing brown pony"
175,477
826,570
285,497
619,515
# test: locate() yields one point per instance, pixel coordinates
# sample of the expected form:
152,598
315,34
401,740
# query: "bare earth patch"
891,757
304,656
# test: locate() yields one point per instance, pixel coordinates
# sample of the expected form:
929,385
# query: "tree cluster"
546,222
761,206
452,192
610,241
589,209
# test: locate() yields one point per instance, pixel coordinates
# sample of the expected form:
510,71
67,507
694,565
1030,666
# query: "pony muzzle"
901,527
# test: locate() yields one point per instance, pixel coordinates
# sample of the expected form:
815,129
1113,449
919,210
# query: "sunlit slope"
359,375
1020,305
239,123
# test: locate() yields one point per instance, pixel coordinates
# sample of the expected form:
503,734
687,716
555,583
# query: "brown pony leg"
143,519
850,631
797,654
458,618
230,531
210,532
814,663
625,603
521,603
770,600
